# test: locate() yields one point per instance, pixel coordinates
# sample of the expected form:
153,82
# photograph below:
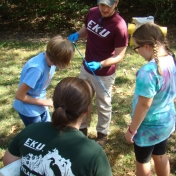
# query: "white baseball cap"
109,3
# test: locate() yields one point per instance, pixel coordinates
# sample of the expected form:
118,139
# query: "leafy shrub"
60,15
162,10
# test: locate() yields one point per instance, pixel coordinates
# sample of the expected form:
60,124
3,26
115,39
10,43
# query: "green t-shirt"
46,151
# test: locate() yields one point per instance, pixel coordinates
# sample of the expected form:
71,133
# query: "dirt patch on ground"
26,36
44,36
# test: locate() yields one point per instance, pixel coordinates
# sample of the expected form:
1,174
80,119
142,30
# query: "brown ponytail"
71,99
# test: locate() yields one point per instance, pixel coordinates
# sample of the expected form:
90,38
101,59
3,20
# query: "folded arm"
21,95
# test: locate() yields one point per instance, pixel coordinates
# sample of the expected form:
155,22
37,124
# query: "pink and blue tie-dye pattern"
159,122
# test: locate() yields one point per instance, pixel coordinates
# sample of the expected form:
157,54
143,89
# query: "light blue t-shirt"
37,75
159,121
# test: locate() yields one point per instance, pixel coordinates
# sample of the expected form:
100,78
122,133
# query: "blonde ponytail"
155,50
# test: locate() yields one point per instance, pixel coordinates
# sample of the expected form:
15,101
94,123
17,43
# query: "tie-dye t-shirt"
159,122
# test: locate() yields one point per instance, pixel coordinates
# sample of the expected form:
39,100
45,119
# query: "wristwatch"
101,66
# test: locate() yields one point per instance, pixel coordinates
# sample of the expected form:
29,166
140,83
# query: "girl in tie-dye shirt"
153,111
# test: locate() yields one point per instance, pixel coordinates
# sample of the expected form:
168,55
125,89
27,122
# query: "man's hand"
73,37
94,65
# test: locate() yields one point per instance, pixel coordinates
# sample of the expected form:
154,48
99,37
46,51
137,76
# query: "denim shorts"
44,117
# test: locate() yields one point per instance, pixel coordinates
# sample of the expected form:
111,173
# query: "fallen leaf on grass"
121,156
133,68
13,129
118,91
173,149
129,87
124,72
131,173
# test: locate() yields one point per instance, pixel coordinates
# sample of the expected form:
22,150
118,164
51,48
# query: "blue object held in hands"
97,78
94,65
73,37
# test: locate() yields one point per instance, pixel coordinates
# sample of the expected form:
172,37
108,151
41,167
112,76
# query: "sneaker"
101,138
84,131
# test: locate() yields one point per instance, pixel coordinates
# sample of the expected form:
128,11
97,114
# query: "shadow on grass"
7,136
121,80
8,132
120,153
5,140
173,165
8,114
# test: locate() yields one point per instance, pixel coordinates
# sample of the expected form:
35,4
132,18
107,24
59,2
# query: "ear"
147,47
88,111
84,113
48,60
116,3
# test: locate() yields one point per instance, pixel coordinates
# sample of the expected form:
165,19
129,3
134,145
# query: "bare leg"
162,165
143,169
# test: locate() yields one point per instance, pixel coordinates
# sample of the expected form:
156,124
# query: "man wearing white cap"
107,39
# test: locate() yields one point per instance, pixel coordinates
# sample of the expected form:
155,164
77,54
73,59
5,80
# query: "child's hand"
49,102
129,136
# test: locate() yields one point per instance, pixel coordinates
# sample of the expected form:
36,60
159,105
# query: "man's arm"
82,32
116,58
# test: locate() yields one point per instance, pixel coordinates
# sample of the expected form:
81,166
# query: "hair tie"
62,106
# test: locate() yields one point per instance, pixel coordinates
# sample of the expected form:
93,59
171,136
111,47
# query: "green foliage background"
60,15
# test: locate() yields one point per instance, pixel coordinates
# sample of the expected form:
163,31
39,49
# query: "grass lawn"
13,54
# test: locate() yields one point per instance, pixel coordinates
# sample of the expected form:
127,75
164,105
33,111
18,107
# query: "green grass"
13,54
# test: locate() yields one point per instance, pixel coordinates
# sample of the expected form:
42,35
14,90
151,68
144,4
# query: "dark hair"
72,97
152,35
60,51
